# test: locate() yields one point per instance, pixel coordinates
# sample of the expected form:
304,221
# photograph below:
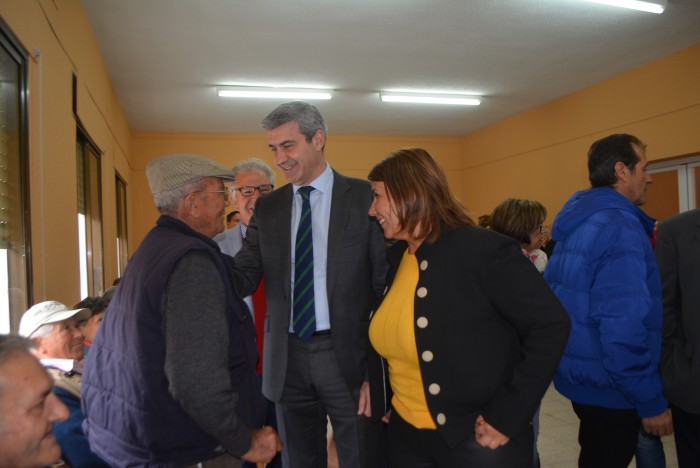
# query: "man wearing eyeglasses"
170,379
252,178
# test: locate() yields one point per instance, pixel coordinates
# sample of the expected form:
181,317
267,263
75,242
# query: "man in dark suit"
678,256
324,265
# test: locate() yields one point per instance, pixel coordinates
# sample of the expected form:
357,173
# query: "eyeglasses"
224,193
249,190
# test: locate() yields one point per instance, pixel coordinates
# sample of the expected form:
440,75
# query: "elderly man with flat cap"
170,379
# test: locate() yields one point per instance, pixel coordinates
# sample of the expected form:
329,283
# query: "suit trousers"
686,430
313,390
607,436
410,447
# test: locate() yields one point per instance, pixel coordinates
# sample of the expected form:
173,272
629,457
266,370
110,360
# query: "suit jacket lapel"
340,214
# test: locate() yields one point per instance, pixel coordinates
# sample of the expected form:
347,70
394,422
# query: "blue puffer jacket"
604,273
70,436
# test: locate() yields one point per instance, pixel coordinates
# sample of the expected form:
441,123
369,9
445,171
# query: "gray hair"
43,331
253,164
306,115
10,345
168,202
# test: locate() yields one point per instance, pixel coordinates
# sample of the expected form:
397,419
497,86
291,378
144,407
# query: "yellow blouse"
392,335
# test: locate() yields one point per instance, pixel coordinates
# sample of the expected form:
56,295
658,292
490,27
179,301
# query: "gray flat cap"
177,170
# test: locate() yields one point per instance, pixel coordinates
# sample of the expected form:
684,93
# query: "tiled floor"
557,442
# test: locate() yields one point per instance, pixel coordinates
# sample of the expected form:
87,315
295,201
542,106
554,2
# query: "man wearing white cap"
58,340
170,379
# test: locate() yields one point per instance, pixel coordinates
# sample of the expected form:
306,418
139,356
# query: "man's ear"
621,171
190,201
38,348
319,140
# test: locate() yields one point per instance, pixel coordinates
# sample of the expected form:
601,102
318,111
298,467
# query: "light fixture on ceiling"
430,98
273,93
650,6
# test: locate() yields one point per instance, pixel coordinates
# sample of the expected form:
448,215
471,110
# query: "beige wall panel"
68,20
54,185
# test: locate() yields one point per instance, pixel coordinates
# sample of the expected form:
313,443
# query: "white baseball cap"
48,312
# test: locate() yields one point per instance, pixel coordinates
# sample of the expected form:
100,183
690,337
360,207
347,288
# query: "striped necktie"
304,320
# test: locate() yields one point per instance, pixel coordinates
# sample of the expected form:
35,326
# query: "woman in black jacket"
468,335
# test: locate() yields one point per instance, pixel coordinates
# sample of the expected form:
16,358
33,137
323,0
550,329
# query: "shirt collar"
66,365
322,183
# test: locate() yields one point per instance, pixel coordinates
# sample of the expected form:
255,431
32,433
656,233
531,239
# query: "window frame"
121,206
16,52
92,274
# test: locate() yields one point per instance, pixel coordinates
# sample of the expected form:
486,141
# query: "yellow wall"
60,43
541,154
350,155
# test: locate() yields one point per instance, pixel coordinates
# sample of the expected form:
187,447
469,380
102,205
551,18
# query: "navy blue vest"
131,417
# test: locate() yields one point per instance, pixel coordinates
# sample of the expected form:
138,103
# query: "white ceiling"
166,57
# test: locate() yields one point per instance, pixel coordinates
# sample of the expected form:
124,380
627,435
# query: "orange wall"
349,154
541,154
60,44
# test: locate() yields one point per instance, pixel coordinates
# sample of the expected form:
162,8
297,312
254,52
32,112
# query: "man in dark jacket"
604,272
678,256
314,363
170,379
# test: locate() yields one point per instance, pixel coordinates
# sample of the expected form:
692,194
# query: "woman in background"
89,326
468,334
523,220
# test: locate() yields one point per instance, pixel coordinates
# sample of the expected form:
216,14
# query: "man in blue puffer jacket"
604,272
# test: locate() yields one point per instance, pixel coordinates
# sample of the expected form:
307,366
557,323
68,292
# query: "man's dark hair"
95,304
230,216
608,151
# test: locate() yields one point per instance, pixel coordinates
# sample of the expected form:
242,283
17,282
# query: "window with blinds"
15,260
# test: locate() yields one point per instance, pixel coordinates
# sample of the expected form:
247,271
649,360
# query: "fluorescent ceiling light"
651,6
429,98
273,93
